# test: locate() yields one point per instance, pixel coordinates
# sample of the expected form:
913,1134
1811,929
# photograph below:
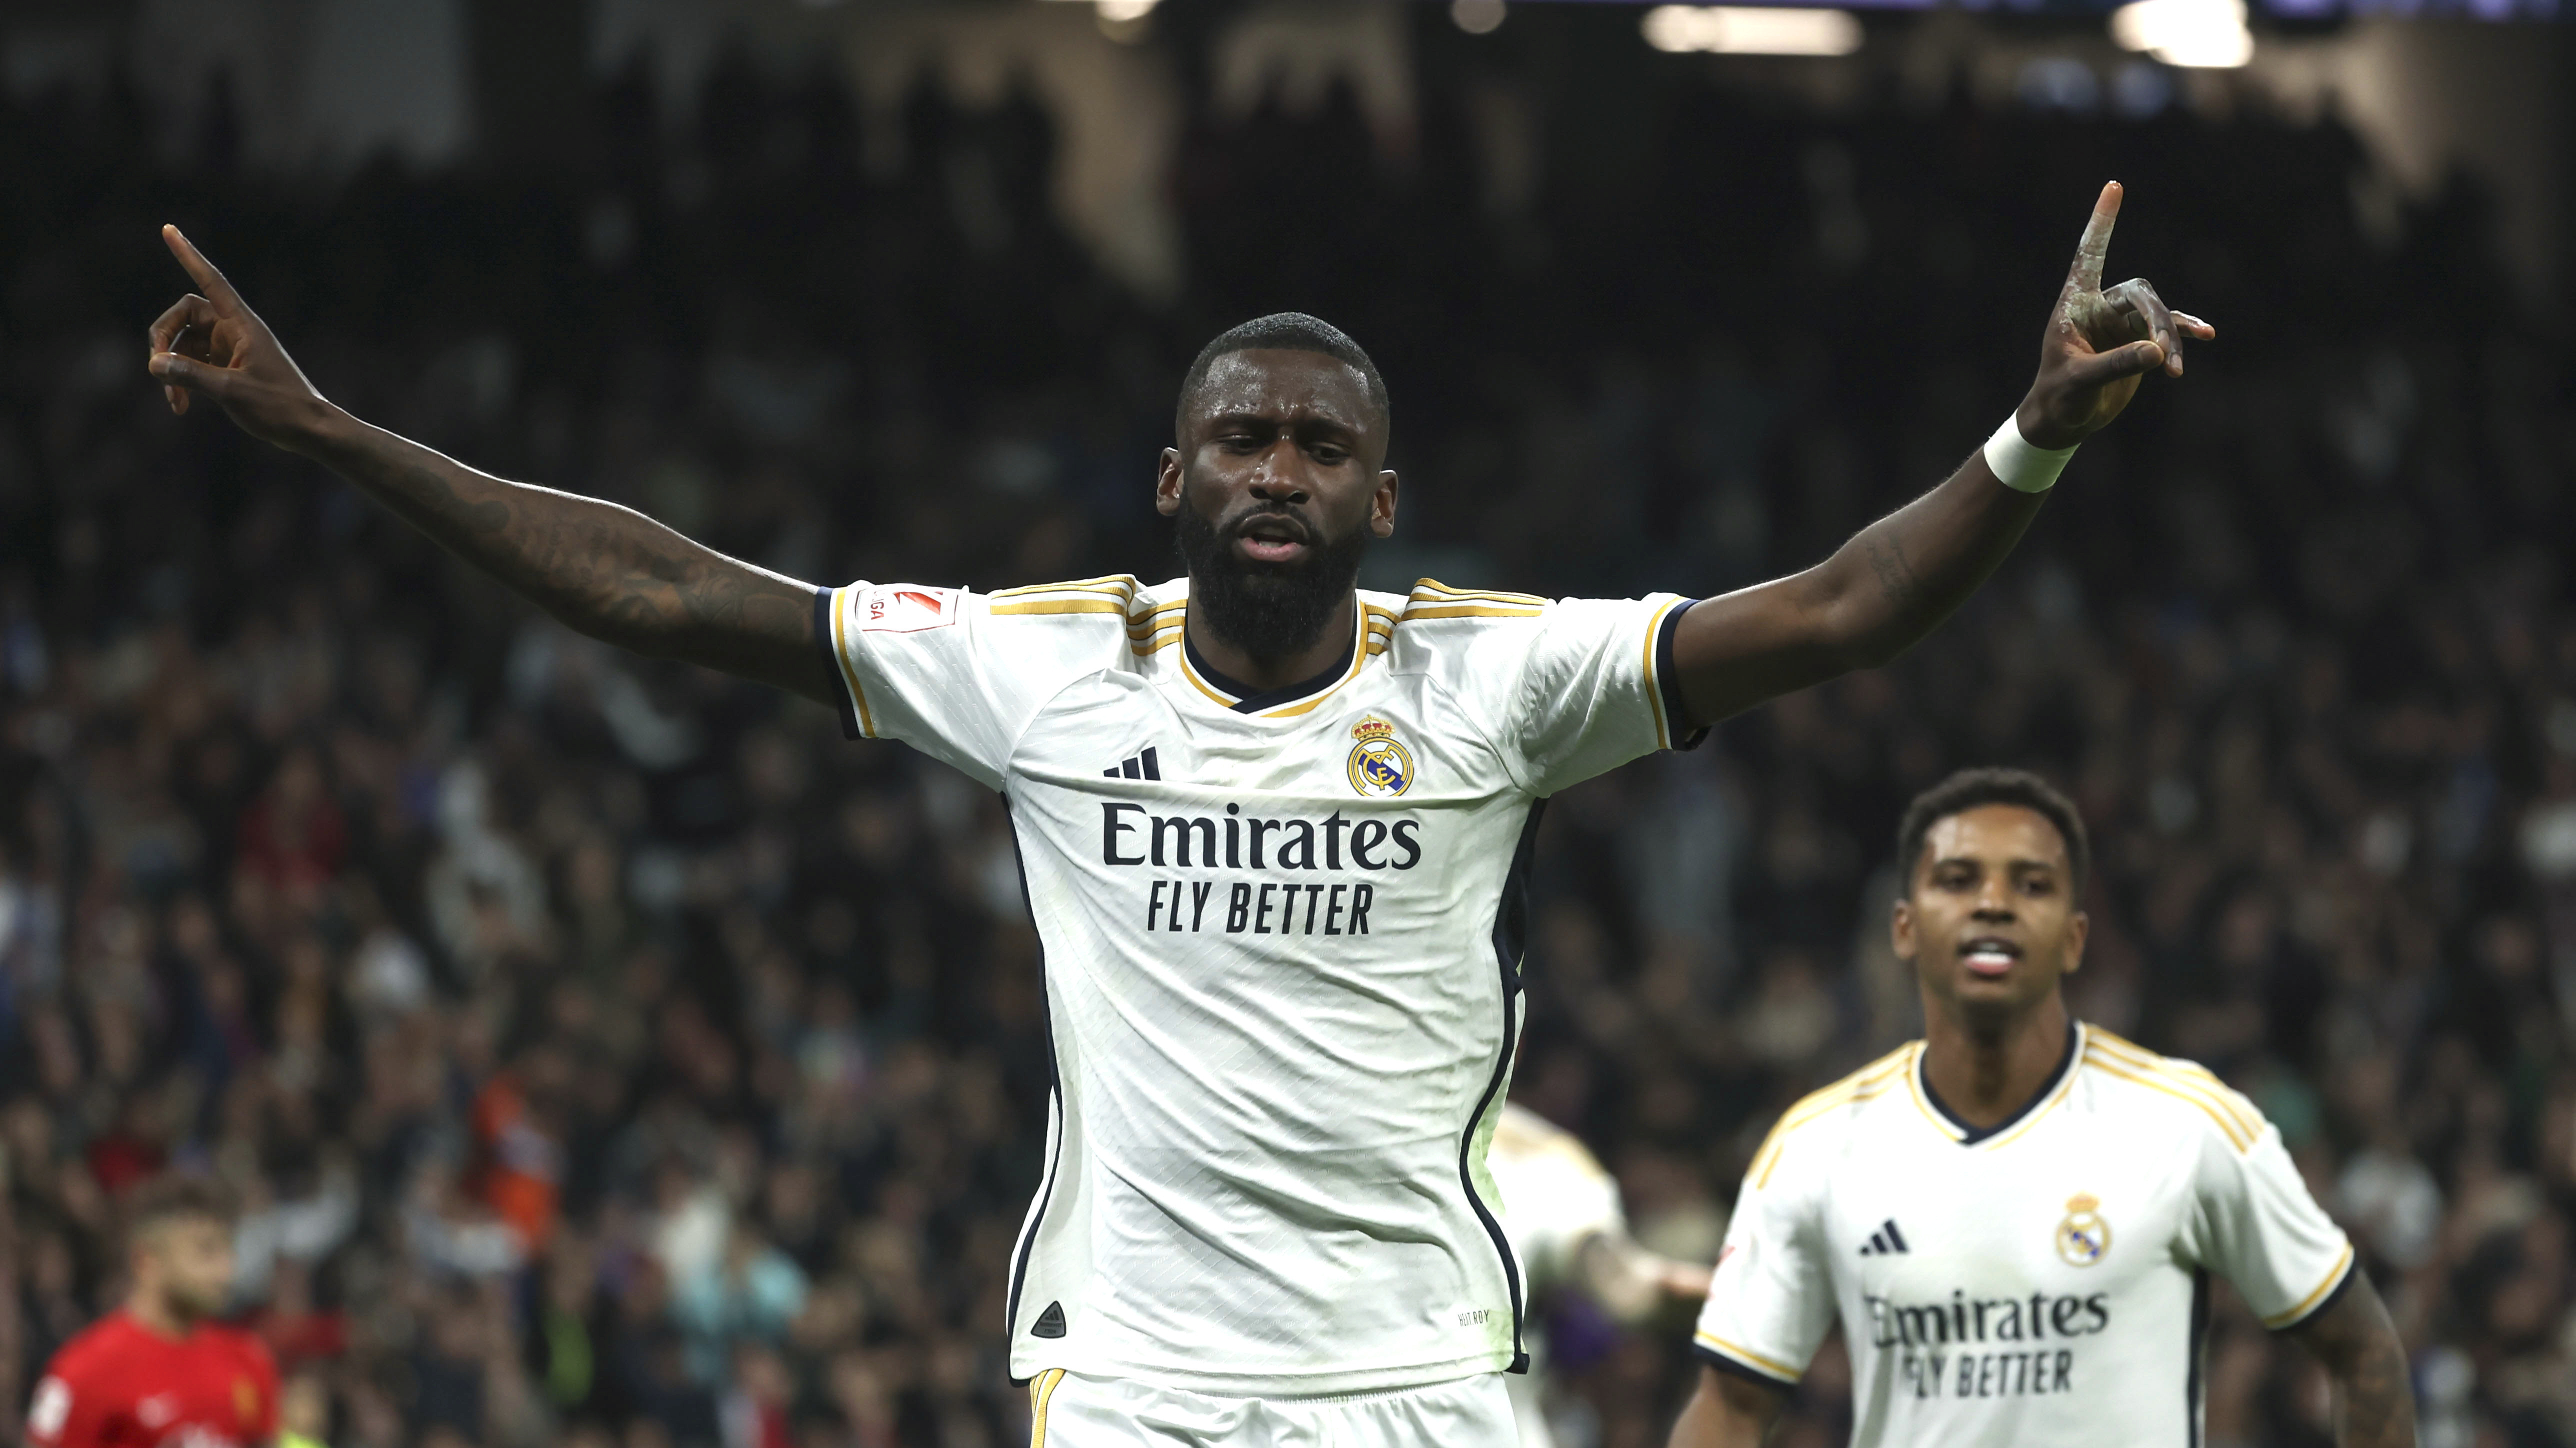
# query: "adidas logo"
1885,1242
1050,1323
1142,766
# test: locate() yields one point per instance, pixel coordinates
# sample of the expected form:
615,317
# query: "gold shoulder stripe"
1471,611
2103,1062
1123,584
1771,1366
2200,1082
2343,1264
1435,586
2123,1045
1516,600
1060,605
1861,1085
1777,1144
1151,620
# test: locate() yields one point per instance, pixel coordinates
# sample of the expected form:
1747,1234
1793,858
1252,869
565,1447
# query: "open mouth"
1988,956
1272,538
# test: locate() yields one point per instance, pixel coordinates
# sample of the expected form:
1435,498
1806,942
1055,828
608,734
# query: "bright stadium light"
2203,34
1751,30
1116,15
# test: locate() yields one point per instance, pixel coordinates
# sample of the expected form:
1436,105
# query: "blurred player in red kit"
158,1371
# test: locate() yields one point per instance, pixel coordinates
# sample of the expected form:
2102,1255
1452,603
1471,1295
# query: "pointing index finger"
217,290
2096,245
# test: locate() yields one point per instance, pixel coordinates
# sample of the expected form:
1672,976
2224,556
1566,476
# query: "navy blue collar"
1248,702
1975,1134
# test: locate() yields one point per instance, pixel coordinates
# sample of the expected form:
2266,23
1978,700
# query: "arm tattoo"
2353,1337
605,570
1896,579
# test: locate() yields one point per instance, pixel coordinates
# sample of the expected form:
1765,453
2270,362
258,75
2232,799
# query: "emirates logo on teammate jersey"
2083,1236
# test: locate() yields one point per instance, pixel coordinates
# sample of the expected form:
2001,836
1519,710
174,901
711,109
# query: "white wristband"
2020,466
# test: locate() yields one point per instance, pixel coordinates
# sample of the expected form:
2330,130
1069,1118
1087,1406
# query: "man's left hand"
2100,343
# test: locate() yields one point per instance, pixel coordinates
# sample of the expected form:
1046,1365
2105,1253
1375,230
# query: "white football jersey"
1282,941
2044,1280
1556,1196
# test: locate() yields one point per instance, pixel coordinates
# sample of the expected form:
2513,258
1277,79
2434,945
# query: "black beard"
1269,611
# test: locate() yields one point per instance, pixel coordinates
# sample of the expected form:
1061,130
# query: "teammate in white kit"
1561,1209
1272,829
2016,1219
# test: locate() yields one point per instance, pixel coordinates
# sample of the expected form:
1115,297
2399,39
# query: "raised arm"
2374,1404
1728,1412
604,570
1897,579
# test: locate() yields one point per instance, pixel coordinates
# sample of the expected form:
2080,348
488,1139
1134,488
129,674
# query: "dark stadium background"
328,867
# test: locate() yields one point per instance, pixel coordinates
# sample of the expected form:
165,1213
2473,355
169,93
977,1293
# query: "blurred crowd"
606,1053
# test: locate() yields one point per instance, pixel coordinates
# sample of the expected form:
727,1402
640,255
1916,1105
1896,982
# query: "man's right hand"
214,343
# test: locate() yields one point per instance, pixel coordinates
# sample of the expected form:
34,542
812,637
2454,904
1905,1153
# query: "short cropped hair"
176,1196
1969,789
1288,331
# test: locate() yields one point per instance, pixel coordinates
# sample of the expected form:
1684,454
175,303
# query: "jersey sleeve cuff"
1668,680
823,639
2327,1294
1727,1362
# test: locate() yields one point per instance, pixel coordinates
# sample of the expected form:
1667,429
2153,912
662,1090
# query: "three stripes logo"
1140,766
1050,1323
1885,1242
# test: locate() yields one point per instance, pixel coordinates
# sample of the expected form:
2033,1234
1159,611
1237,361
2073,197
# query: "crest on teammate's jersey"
2083,1236
1380,766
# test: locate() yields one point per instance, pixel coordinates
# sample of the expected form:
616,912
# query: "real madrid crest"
2083,1236
1381,767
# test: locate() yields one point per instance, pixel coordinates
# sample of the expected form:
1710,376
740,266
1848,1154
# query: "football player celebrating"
1273,831
158,1370
2016,1218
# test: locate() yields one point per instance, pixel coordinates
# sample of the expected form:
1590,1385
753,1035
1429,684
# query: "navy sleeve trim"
832,661
2351,1270
1734,1368
1668,679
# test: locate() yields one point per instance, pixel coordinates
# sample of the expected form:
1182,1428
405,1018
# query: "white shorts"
1069,1411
